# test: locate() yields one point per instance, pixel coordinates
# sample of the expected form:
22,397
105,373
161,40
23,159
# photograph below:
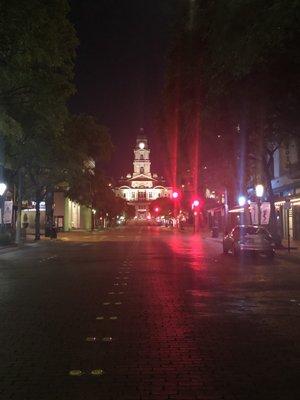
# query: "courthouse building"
141,187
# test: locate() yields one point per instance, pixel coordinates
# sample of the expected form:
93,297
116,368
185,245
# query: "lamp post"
93,219
195,208
175,196
3,188
242,202
259,191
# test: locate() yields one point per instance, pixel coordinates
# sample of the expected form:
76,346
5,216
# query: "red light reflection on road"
187,246
169,325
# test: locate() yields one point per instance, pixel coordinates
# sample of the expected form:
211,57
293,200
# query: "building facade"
141,187
68,215
286,187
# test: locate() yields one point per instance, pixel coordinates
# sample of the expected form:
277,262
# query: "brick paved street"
146,313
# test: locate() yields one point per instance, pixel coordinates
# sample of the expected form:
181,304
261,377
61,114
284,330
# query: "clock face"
141,145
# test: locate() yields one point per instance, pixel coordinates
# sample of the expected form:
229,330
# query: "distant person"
25,222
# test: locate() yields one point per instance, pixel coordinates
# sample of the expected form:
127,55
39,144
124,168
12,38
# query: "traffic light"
195,203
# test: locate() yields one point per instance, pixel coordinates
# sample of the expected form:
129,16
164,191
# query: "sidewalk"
14,247
77,235
293,254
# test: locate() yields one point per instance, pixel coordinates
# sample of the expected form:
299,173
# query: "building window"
141,157
150,195
142,195
124,195
133,195
141,170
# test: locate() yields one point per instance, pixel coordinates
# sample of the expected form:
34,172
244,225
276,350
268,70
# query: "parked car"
249,239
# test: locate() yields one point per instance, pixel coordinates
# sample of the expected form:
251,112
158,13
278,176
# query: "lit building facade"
141,187
286,187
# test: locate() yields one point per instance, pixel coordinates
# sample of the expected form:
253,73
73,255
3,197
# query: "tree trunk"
19,212
273,226
38,198
49,202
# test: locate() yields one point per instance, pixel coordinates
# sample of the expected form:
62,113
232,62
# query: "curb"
15,247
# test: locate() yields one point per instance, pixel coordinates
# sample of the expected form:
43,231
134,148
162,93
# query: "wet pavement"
146,313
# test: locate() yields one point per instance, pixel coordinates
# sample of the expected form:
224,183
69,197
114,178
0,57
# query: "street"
146,313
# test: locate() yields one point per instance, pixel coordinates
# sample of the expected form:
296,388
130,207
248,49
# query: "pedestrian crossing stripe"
97,372
91,339
76,372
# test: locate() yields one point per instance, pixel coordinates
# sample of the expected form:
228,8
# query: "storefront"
288,215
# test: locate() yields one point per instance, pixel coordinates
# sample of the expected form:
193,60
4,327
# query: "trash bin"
215,232
53,233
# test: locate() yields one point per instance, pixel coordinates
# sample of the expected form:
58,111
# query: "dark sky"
120,69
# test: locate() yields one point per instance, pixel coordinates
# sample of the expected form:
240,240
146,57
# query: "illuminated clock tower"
141,163
141,187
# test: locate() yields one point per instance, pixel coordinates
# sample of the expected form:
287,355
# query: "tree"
164,205
243,58
37,53
259,78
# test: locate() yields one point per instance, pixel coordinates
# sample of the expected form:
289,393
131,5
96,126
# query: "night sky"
120,69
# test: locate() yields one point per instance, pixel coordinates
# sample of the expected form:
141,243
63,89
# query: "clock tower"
141,163
141,187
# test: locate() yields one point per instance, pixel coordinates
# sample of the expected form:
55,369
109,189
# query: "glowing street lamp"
175,195
259,191
3,188
195,207
156,209
242,201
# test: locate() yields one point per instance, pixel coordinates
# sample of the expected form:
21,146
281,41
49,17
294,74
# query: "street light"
259,191
3,188
242,201
195,208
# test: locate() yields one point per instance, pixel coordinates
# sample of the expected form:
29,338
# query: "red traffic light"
196,203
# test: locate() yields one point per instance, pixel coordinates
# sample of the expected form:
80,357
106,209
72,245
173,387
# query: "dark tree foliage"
43,144
235,68
164,205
